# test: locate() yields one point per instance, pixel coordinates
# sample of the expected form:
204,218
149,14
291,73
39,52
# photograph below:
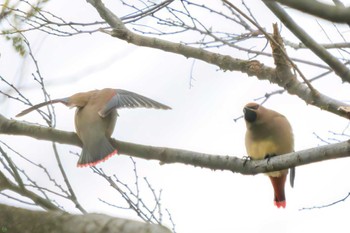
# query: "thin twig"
327,205
274,42
72,195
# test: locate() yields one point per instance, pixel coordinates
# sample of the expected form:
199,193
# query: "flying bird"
95,118
269,134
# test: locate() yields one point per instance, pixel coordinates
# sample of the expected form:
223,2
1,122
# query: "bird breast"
259,149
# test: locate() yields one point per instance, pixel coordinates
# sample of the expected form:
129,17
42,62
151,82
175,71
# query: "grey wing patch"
128,99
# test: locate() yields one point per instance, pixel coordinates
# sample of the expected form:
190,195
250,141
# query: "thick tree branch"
337,13
251,68
339,68
14,219
169,155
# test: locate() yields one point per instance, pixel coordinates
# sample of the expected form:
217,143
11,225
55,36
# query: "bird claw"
246,158
269,156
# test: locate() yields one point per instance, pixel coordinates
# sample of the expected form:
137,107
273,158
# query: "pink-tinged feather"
98,161
279,204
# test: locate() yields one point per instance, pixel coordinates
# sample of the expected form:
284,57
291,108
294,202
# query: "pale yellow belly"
258,150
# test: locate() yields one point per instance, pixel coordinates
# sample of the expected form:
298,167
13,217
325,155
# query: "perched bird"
95,118
269,134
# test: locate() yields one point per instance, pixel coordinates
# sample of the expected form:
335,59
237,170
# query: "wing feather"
128,99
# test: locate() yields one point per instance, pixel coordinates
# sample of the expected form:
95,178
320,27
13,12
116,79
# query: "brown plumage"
269,134
95,119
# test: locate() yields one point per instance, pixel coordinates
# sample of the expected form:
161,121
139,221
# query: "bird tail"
278,187
292,176
96,152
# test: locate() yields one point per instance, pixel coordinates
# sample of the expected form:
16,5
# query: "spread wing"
128,99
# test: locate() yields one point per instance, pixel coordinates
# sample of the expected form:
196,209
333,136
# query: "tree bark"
18,220
333,13
224,62
170,155
339,68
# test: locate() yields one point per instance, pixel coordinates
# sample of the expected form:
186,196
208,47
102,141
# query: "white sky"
200,200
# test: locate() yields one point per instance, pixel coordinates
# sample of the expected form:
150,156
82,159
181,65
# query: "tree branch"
170,155
6,184
225,62
339,68
14,219
327,205
297,46
337,13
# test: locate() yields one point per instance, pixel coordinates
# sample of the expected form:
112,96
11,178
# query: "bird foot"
246,158
269,156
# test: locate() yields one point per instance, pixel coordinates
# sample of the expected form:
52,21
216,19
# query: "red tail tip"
98,161
279,204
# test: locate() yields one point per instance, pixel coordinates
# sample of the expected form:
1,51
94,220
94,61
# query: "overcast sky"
199,200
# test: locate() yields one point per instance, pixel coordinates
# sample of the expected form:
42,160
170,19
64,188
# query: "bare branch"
145,12
169,155
340,69
22,188
274,41
42,202
337,13
327,205
148,211
326,46
32,17
72,195
39,221
252,68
